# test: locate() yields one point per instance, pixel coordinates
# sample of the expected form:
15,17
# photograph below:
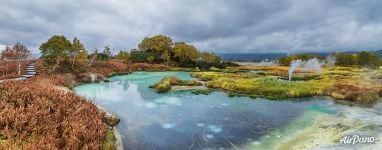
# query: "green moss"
109,141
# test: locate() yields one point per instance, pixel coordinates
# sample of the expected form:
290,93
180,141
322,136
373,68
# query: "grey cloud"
218,25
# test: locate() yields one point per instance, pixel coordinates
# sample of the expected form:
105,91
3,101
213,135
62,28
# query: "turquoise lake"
182,120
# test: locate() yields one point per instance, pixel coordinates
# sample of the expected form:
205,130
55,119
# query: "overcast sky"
222,26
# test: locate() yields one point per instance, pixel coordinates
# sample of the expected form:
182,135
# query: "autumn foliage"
8,71
37,116
107,68
147,67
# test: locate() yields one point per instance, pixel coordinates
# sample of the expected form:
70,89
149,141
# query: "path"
31,72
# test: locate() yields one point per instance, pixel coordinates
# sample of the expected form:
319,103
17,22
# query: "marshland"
183,98
196,75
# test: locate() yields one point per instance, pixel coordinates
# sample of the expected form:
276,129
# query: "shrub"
147,67
37,116
8,69
108,68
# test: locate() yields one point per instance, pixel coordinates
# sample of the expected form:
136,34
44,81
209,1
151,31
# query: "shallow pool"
182,120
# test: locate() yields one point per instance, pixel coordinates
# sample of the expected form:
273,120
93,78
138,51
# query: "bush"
108,68
147,67
37,116
8,69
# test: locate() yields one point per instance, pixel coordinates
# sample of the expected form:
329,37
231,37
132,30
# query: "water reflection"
182,120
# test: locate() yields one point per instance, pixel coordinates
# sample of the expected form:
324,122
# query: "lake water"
182,120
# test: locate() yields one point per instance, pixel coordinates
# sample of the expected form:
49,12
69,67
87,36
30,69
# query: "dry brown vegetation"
107,68
34,115
147,67
115,66
8,69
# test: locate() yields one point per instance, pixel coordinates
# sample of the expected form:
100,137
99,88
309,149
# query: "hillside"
379,53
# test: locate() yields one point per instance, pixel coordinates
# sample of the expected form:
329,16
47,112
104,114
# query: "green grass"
269,87
207,76
109,141
342,83
350,84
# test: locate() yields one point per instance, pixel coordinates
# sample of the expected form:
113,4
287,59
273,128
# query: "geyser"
310,65
293,66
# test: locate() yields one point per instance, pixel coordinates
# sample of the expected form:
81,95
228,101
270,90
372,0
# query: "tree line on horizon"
59,52
359,59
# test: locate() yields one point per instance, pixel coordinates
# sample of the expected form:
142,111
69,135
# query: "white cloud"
219,25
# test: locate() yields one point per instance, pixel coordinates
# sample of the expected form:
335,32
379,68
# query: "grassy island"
167,82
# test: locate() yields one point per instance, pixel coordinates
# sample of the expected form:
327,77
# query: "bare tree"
18,53
7,54
95,55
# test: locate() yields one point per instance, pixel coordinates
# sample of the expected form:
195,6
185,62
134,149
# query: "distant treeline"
61,54
359,59
256,57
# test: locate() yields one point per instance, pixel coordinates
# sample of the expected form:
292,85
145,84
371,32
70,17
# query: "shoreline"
326,130
116,133
332,128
